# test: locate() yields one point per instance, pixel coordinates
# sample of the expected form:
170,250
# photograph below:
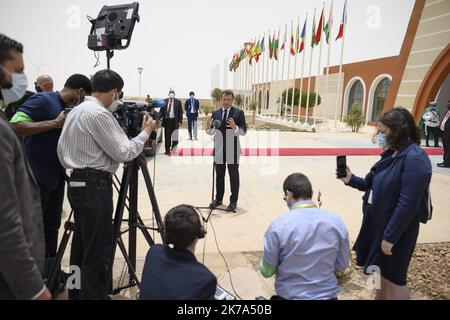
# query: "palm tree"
238,99
215,95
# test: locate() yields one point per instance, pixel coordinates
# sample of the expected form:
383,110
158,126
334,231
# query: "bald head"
45,83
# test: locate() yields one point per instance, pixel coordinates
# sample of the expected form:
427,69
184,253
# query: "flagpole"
288,75
309,78
295,67
330,26
283,64
301,76
278,62
262,73
318,73
266,105
340,71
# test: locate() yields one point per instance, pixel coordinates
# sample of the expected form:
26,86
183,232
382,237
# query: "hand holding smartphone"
341,162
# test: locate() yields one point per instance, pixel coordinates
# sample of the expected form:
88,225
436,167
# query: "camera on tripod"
131,114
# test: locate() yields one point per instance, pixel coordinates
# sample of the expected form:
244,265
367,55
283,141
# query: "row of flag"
253,50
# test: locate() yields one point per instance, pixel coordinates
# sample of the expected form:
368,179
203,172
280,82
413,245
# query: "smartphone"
341,162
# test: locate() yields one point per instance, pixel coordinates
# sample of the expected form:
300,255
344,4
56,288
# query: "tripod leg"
132,219
132,270
118,217
151,193
68,228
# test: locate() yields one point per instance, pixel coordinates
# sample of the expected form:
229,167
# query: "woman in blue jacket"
395,201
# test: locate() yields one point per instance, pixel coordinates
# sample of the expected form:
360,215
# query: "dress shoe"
231,207
215,204
437,146
442,165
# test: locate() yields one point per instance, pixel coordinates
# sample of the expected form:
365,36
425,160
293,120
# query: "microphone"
217,124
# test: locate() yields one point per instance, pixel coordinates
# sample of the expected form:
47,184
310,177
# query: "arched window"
356,95
379,98
267,99
259,101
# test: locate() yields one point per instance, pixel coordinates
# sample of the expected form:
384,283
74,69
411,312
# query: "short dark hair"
77,81
6,46
191,93
227,93
182,225
299,185
106,80
402,127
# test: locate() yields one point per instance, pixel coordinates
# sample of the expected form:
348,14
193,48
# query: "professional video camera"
131,114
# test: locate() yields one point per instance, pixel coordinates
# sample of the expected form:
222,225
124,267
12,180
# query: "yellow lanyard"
305,205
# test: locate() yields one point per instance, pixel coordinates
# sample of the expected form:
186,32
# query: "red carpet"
298,152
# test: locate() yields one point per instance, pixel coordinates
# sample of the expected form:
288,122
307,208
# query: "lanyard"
305,205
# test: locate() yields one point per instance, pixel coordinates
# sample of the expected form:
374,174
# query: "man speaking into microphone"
227,124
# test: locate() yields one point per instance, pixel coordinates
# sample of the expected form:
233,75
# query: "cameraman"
93,144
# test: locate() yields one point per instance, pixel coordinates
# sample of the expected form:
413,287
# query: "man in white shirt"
93,144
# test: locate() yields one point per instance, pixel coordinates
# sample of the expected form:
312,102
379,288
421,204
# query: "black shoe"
437,146
427,146
215,204
442,165
231,207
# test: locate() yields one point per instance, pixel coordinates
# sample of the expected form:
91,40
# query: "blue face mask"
18,88
381,138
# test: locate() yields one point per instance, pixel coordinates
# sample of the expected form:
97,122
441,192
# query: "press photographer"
93,144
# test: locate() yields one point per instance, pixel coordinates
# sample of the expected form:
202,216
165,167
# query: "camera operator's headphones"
202,230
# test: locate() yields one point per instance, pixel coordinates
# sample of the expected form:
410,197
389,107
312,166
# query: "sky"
178,42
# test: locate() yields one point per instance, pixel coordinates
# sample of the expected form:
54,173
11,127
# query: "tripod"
129,183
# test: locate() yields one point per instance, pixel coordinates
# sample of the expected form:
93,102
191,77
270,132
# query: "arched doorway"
259,101
379,98
432,82
267,99
355,93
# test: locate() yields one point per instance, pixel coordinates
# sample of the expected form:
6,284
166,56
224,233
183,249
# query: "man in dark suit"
21,227
227,149
445,128
191,106
172,118
174,273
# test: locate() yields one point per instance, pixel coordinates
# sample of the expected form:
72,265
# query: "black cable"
225,260
97,57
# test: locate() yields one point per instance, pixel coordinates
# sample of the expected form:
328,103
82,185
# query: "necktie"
192,106
170,107
225,115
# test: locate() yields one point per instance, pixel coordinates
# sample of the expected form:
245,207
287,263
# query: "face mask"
171,96
192,97
381,138
18,88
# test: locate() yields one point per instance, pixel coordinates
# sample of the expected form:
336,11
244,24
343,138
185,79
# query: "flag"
270,47
263,47
329,24
343,22
302,36
292,42
313,35
251,52
275,45
319,28
257,51
284,41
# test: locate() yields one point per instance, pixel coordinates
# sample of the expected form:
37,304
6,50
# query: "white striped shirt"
92,138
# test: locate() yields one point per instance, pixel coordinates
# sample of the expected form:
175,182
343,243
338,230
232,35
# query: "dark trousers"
169,140
93,235
52,203
435,132
446,145
233,171
192,125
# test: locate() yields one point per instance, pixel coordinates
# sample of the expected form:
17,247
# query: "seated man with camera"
173,273
304,247
92,143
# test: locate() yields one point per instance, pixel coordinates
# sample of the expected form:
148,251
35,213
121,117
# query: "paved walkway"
188,180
